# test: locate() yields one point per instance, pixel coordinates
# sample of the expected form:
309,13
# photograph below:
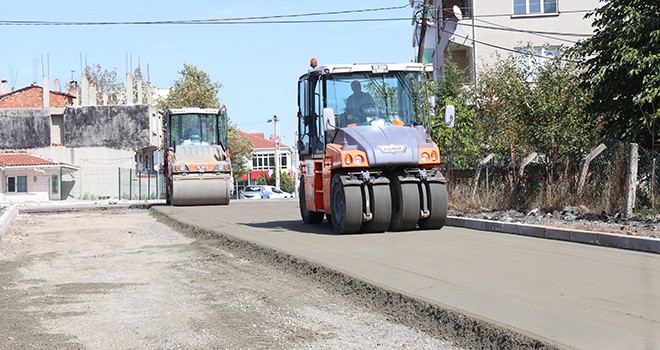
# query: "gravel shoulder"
120,279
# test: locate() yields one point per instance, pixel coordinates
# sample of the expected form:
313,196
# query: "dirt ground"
120,279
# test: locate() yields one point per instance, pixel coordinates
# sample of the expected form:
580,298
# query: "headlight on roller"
425,157
177,168
348,159
222,167
358,159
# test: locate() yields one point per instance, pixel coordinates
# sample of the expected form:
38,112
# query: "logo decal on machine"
392,148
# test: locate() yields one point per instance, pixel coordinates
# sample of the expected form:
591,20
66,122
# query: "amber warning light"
313,63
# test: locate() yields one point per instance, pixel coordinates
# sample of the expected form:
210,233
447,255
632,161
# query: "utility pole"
276,121
422,31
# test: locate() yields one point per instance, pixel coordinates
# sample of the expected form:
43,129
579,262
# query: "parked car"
264,192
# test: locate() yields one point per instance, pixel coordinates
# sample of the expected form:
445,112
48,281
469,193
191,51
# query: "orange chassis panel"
318,172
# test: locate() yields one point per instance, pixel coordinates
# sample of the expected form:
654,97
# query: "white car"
264,192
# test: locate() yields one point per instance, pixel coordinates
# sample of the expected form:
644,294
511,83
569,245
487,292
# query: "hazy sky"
258,64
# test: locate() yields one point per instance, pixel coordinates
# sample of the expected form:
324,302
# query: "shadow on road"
324,228
293,225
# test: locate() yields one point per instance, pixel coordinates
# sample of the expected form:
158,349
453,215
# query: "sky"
257,64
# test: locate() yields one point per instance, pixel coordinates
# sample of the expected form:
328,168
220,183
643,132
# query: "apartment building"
472,33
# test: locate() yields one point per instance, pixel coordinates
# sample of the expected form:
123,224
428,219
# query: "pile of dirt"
571,217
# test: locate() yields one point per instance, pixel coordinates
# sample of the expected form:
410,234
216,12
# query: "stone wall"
115,127
24,128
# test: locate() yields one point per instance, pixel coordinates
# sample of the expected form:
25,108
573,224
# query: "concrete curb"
611,240
6,218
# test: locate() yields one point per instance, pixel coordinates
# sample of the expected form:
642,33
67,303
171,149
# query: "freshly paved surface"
575,295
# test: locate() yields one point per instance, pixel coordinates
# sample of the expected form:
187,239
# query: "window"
191,128
536,55
532,58
531,7
54,184
11,184
17,184
21,184
266,161
393,96
304,122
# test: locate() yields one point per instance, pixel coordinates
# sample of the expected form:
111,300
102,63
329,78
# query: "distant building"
33,97
27,177
263,157
473,31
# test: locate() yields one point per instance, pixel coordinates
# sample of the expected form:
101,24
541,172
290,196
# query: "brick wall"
32,97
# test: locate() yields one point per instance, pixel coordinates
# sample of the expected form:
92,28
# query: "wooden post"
631,178
585,167
526,161
475,180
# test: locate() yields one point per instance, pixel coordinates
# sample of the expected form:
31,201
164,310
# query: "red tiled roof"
258,140
35,87
23,158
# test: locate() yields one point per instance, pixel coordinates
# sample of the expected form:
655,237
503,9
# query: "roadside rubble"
571,217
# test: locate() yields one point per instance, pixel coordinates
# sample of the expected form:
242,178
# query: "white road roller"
196,158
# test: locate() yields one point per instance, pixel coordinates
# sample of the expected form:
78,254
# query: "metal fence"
140,185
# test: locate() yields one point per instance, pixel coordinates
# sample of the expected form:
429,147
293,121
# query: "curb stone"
6,218
610,240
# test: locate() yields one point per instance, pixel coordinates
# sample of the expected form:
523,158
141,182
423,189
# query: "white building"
27,177
263,157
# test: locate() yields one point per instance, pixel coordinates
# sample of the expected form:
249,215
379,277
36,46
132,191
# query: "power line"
582,35
545,34
509,29
231,20
8,23
528,53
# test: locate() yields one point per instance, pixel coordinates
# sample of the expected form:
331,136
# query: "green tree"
106,82
539,108
501,91
460,145
286,183
241,151
262,179
194,89
623,67
554,116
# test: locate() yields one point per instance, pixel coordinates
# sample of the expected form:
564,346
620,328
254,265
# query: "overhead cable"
231,20
527,53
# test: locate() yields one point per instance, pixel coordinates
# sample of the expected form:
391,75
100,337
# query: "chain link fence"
140,185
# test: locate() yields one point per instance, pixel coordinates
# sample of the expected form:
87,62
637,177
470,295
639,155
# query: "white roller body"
201,189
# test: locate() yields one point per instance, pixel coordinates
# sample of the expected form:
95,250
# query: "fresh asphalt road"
574,295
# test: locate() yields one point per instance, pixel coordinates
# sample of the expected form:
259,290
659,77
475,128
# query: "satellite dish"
457,12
